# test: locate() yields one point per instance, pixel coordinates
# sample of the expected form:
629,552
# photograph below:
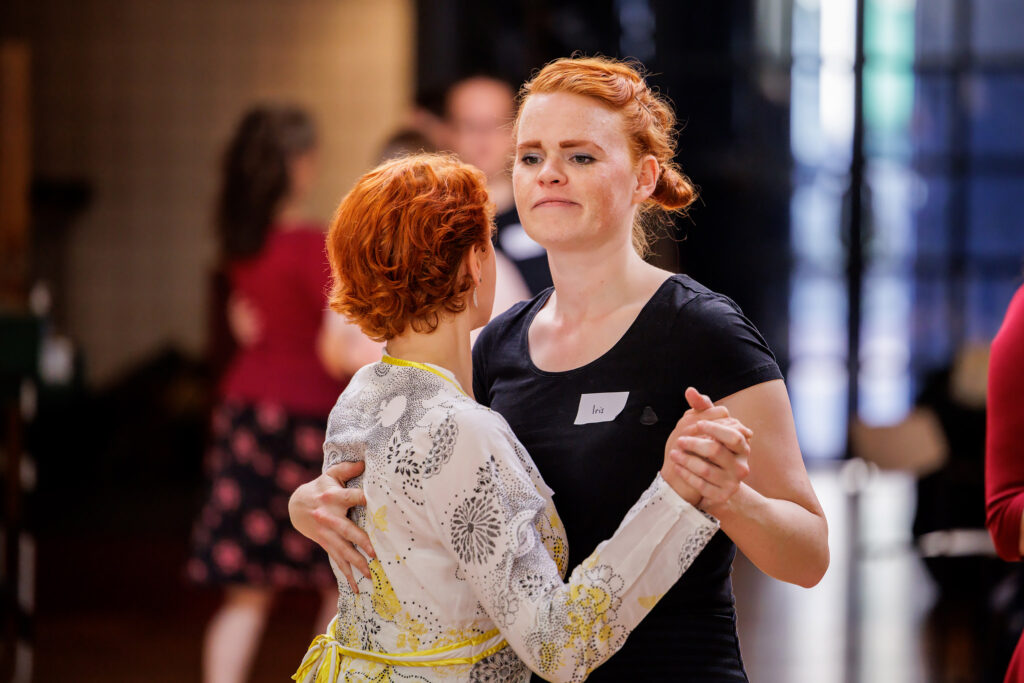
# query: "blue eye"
530,159
582,159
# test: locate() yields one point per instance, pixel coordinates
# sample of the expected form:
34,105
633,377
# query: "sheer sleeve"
484,506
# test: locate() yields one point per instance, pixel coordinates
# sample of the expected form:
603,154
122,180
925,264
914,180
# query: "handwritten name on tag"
603,407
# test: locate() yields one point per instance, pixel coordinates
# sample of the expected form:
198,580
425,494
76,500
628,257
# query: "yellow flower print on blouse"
385,602
380,518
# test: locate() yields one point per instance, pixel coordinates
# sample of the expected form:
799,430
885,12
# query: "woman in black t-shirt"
591,374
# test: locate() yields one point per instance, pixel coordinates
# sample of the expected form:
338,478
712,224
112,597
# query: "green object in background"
888,74
20,339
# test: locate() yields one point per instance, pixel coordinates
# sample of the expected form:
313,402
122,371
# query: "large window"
936,162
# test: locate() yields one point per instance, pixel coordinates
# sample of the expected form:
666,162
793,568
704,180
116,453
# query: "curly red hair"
398,239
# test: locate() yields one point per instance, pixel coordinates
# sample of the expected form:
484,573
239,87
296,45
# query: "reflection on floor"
815,635
112,605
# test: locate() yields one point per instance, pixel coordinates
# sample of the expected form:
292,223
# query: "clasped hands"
705,462
706,454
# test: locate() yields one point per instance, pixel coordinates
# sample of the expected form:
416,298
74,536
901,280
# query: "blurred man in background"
479,112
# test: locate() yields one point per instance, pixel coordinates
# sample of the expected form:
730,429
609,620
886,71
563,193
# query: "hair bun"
674,191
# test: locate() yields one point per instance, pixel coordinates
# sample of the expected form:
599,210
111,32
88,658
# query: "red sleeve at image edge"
1004,442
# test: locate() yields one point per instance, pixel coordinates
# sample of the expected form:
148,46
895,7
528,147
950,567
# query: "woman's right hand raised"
705,456
319,511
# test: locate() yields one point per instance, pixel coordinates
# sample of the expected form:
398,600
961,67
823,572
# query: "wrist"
737,505
679,487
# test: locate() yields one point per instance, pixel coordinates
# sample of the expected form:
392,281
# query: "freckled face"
574,176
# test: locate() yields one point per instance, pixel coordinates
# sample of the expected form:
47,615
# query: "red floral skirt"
259,455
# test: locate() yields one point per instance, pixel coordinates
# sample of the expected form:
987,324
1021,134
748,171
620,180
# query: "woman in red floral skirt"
293,361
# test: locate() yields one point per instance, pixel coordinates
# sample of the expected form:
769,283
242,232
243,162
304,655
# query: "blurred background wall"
135,100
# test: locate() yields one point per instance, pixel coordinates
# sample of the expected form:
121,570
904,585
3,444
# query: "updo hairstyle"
649,125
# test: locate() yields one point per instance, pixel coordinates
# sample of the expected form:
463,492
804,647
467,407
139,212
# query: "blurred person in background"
479,112
291,361
942,443
405,141
591,374
1004,452
510,288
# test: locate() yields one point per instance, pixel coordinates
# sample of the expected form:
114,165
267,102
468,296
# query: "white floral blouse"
471,552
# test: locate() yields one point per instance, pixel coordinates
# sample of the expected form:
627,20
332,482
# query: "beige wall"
139,97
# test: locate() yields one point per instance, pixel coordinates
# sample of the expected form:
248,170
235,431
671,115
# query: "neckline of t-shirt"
542,301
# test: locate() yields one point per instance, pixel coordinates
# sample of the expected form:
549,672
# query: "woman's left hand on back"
319,511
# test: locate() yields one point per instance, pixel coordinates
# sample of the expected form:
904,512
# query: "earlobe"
475,263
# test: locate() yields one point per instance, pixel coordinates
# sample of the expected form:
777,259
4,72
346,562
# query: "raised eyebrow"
565,144
529,144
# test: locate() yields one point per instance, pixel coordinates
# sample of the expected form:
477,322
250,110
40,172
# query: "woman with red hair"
470,549
593,374
276,390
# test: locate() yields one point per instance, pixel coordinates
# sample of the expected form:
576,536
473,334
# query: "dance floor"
864,623
112,605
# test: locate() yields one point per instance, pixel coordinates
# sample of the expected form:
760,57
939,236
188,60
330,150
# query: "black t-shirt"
686,335
529,257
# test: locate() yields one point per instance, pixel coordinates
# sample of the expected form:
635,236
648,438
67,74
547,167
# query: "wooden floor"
112,605
115,607
800,635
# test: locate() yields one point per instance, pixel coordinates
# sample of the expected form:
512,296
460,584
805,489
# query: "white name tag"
600,407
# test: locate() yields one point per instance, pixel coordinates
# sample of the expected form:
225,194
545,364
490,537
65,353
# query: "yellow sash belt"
322,663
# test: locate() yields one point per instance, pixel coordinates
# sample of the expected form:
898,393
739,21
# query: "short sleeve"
1004,457
726,352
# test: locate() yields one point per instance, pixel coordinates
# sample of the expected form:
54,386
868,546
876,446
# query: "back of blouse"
469,582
